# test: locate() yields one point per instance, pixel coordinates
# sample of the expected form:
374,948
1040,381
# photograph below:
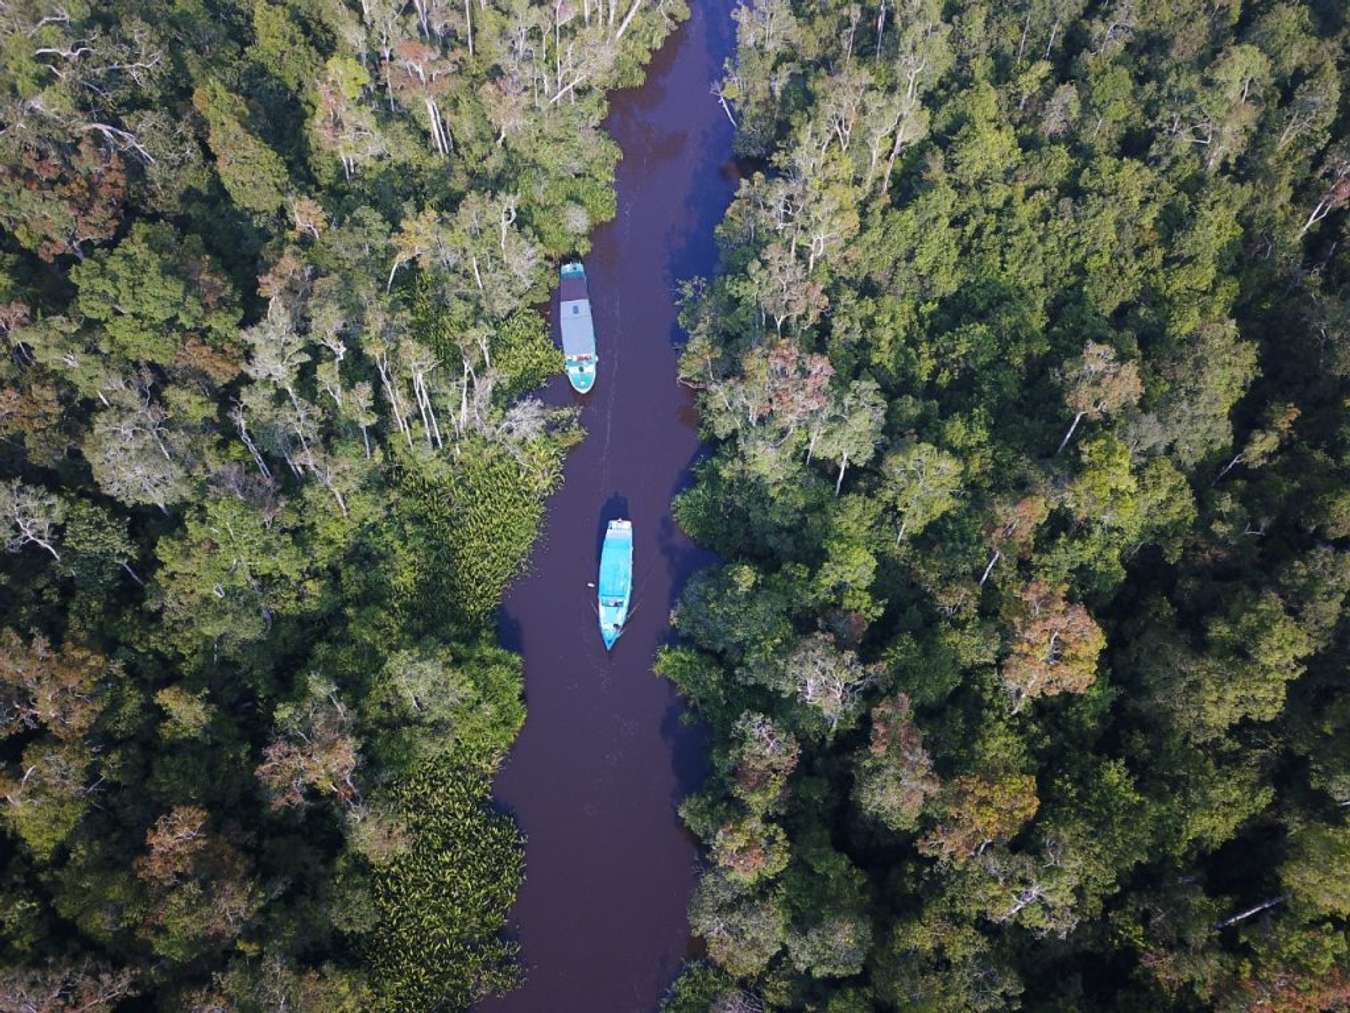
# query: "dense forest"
1026,370
269,277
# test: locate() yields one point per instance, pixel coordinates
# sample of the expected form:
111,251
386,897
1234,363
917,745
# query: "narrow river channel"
596,774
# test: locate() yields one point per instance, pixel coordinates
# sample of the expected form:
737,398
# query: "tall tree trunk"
422,409
238,416
1237,459
299,419
464,399
382,366
998,554
1069,435
1255,910
623,26
342,503
895,153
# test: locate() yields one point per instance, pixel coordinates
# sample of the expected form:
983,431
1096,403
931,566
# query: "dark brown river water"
604,759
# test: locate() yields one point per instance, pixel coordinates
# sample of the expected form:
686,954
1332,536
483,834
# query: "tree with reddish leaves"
1097,383
58,201
201,888
750,849
799,384
1292,989
421,77
314,750
344,124
59,689
894,776
174,844
62,987
1012,528
979,810
1054,645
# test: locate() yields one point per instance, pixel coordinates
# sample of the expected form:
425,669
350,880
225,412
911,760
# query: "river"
603,759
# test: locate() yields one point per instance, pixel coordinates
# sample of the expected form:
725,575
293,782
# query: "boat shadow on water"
614,509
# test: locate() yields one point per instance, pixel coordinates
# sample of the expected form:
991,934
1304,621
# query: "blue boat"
616,580
578,331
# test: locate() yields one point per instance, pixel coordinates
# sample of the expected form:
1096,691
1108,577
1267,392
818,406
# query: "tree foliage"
269,278
1024,371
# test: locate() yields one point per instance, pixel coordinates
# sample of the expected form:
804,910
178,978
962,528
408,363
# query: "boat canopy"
616,566
578,333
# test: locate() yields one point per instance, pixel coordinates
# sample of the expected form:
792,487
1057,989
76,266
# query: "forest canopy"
269,278
1026,372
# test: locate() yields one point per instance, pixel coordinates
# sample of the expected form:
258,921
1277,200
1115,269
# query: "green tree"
924,482
743,929
154,294
1312,872
253,174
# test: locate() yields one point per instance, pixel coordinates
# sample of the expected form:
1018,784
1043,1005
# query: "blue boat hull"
616,580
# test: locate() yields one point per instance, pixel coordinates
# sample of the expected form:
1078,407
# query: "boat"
616,580
578,331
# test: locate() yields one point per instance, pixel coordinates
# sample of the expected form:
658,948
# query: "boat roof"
578,332
574,287
616,562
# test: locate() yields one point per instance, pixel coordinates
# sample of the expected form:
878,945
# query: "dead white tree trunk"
627,18
998,554
1255,910
1069,435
